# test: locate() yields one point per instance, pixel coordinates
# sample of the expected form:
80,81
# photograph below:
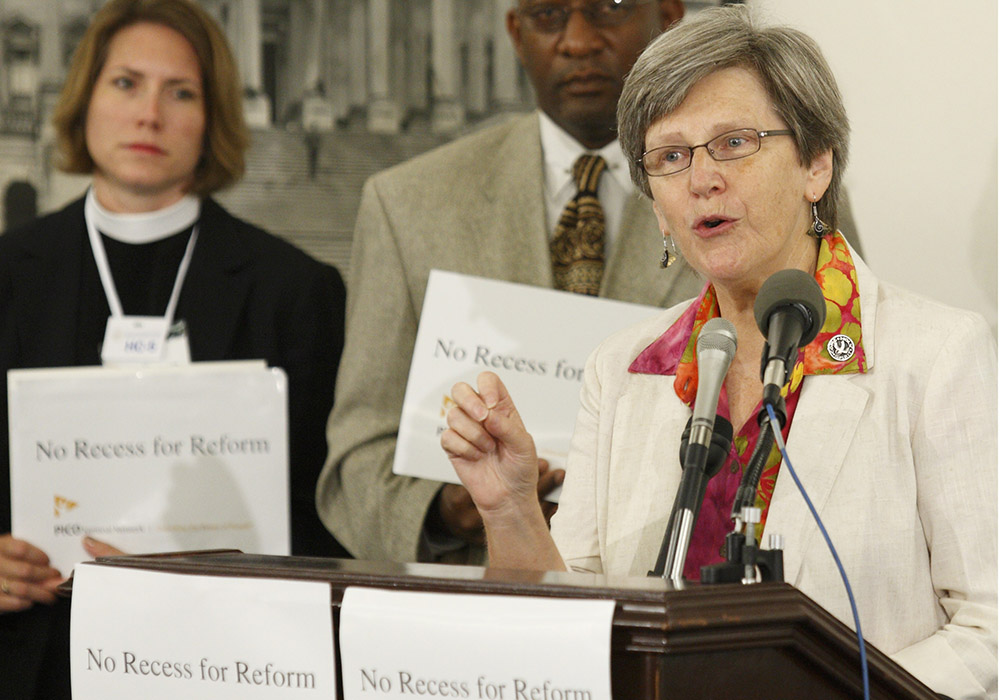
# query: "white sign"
150,460
537,340
398,644
154,635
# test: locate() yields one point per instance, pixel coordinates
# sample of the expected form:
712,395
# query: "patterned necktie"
578,245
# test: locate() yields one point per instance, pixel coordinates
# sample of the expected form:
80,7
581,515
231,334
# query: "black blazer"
247,295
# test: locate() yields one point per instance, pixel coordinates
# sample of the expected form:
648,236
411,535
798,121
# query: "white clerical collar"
146,227
560,151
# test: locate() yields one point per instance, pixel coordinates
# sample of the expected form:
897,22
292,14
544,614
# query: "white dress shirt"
560,151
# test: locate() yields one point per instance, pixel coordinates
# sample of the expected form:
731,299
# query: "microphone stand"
744,557
699,464
789,310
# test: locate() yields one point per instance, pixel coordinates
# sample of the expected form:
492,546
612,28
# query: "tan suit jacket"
900,463
474,206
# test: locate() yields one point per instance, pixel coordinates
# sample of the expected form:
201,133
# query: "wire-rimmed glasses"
732,145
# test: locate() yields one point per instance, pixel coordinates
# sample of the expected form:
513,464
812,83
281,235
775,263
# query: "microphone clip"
767,356
780,411
743,556
774,373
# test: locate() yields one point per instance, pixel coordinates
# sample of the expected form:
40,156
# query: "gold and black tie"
578,245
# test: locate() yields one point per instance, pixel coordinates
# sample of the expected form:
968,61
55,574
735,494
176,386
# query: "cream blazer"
901,464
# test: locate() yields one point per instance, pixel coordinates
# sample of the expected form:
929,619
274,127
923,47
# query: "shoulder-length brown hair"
226,135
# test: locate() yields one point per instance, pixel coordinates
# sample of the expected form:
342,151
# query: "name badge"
134,339
177,350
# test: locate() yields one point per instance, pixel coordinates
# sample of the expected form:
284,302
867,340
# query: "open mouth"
712,223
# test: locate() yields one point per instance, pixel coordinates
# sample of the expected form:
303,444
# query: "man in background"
492,204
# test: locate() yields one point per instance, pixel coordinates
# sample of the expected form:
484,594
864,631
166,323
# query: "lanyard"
104,269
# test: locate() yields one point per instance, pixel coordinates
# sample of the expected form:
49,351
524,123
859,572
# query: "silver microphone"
716,349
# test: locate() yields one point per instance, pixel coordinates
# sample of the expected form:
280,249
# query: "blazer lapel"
216,286
46,288
823,428
644,471
826,419
510,225
514,240
631,271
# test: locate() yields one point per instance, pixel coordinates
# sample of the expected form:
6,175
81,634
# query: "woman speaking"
738,134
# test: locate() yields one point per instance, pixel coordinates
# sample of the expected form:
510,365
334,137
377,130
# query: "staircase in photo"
316,210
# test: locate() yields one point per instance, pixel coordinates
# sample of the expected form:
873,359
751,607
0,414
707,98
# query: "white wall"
919,79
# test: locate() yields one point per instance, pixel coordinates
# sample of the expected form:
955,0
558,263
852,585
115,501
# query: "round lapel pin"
840,347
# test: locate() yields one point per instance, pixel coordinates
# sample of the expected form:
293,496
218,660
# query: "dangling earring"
819,227
668,258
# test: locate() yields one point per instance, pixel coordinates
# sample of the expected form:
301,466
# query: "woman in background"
152,109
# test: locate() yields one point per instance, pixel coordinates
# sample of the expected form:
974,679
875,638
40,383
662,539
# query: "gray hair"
797,78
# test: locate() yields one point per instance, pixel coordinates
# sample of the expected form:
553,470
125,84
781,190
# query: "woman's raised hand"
496,460
488,445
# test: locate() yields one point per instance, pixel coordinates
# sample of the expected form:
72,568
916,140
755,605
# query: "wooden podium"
761,641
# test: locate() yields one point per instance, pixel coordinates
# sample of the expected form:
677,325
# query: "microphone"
789,310
687,501
708,438
716,349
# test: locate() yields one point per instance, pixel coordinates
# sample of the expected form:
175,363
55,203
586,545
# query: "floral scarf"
837,349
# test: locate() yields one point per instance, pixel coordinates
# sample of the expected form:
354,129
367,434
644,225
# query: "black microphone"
790,310
716,348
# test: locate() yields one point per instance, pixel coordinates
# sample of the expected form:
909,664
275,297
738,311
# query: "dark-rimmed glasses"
732,145
551,17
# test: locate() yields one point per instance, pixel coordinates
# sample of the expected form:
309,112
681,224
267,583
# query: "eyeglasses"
552,17
732,145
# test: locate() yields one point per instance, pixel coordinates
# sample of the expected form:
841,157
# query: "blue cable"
776,427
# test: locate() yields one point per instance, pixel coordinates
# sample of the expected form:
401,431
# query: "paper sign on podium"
160,636
396,643
537,340
150,460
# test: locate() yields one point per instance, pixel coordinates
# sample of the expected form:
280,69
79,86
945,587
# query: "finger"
22,560
18,571
470,429
9,603
491,389
455,496
13,548
549,509
52,584
459,513
457,447
18,595
97,548
497,399
41,593
466,398
502,426
504,423
549,481
543,465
